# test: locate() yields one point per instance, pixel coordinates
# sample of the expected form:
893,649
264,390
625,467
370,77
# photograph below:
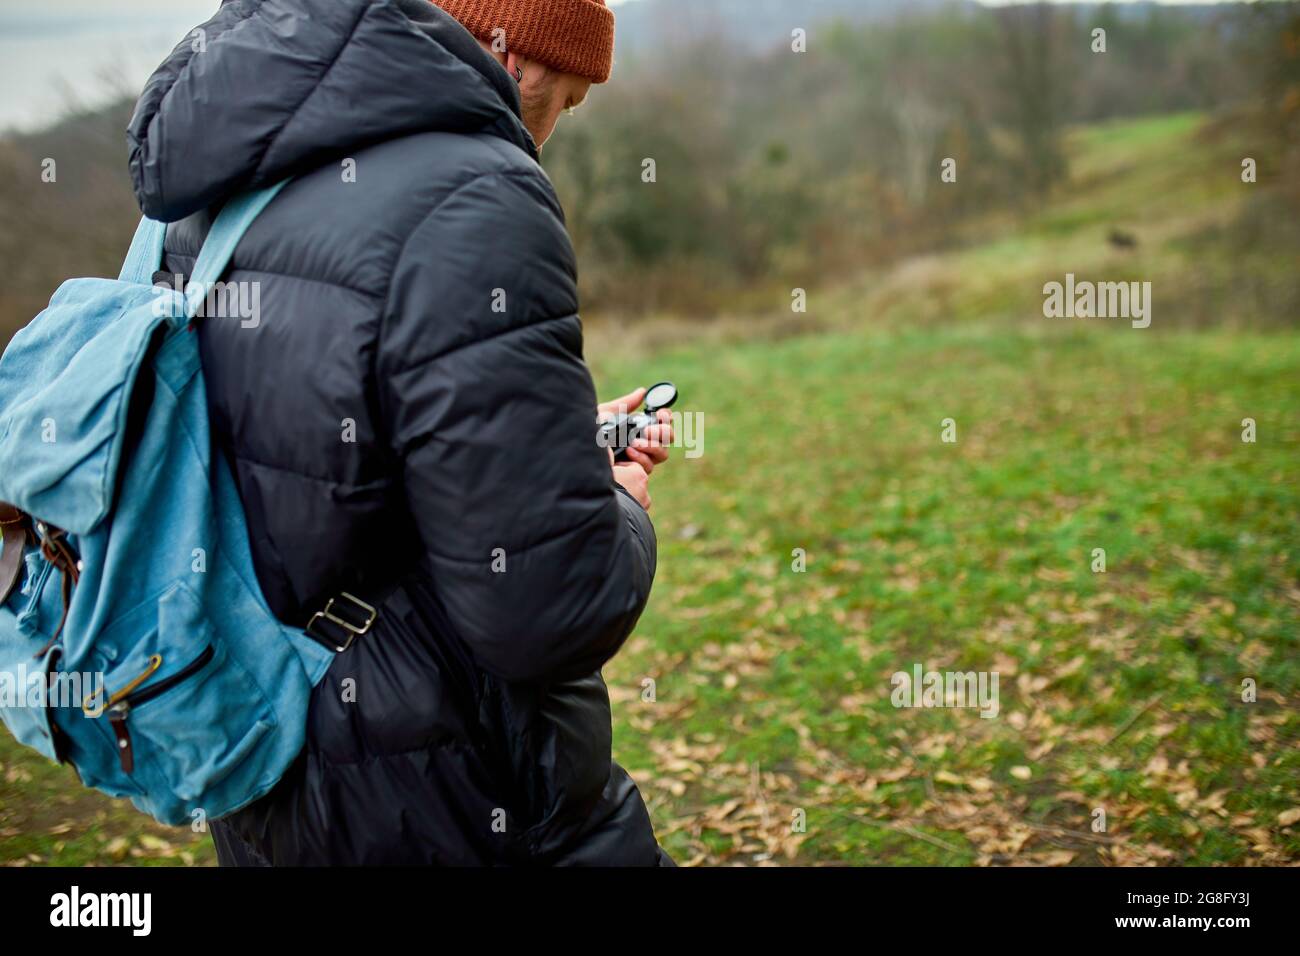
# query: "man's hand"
634,479
649,450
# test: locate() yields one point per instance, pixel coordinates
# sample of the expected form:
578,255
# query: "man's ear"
517,67
523,70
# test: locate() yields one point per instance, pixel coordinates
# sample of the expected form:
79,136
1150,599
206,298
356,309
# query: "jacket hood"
269,88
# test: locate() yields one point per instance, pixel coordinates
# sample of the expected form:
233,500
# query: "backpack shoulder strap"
145,254
233,221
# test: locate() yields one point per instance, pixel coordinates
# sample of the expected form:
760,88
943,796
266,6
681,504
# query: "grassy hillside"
1120,691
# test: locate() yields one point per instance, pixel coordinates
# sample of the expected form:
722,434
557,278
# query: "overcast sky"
53,52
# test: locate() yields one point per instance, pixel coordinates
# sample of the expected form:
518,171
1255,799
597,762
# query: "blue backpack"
135,643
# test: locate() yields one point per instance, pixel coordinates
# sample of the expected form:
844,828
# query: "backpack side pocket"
182,712
195,728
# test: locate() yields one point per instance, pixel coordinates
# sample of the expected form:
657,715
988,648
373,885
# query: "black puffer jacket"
411,405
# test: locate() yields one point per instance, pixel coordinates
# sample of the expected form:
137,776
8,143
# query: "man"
410,420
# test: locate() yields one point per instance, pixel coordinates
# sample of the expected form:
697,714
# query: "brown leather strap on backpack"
17,529
56,550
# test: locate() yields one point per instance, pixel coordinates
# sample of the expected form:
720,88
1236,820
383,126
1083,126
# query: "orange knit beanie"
572,36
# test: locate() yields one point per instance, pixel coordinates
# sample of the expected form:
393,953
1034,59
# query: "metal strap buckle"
351,630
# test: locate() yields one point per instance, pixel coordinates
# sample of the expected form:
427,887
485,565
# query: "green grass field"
771,736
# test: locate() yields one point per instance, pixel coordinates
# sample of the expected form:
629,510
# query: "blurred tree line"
773,171
779,170
78,224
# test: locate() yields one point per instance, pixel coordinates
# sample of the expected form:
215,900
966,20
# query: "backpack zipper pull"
119,706
117,720
88,705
